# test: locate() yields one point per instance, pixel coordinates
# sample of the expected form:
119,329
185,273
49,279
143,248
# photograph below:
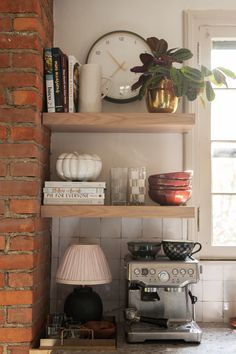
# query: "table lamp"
83,265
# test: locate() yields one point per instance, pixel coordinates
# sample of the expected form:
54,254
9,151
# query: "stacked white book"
77,193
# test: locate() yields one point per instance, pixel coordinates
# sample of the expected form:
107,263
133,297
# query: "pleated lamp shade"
83,265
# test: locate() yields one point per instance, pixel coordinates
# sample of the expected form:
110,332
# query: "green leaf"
210,94
192,74
205,71
177,79
181,55
227,72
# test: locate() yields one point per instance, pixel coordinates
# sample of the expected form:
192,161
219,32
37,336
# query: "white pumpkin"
76,167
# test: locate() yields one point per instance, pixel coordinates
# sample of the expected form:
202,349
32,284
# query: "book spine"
48,74
64,64
66,195
74,184
73,84
92,201
98,190
57,77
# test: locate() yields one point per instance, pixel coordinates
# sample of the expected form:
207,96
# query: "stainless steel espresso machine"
160,305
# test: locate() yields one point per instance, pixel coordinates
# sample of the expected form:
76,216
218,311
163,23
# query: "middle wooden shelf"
111,211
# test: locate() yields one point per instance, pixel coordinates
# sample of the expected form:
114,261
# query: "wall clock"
117,52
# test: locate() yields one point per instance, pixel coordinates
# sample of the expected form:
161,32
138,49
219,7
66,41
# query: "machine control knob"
175,271
190,271
182,271
163,276
136,271
152,271
144,271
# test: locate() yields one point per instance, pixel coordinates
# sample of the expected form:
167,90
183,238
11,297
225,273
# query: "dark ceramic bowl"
144,249
174,175
177,250
170,197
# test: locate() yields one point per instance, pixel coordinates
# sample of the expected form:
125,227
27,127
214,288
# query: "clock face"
117,52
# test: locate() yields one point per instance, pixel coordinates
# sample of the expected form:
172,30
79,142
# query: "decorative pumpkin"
76,167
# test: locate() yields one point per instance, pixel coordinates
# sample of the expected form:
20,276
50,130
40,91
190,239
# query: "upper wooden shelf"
119,122
106,211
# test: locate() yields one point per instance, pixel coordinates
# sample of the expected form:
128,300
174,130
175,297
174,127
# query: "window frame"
199,28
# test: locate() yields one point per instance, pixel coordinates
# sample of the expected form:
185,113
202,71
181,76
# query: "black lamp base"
83,305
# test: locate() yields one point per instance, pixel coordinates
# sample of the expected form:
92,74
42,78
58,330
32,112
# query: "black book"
57,78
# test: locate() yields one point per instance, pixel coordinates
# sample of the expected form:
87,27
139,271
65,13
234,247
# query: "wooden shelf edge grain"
105,211
119,122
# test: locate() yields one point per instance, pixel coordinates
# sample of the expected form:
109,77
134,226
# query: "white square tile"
198,311
131,228
124,248
152,228
229,310
108,291
64,243
111,227
90,227
212,290
69,226
229,271
230,290
212,271
172,229
212,311
197,290
114,265
54,266
111,248
89,241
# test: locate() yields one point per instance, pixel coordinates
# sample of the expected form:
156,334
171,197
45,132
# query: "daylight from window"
223,149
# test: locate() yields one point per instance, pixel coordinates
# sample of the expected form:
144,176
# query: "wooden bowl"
102,329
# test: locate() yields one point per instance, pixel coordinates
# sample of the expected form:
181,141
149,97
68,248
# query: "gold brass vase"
162,99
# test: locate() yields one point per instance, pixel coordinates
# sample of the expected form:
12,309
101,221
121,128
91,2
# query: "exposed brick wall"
26,27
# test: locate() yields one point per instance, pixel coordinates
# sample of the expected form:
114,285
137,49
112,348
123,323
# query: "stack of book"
61,74
77,193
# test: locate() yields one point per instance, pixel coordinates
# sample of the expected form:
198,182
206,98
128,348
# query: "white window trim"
194,22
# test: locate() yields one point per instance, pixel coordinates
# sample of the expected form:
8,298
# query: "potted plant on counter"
163,83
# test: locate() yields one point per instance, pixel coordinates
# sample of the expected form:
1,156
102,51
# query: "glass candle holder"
119,182
136,185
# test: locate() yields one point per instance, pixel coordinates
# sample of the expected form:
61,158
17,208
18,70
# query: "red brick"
3,169
28,60
18,349
25,133
8,188
19,315
19,41
24,206
3,132
5,24
19,115
29,24
2,316
2,206
17,225
16,261
19,280
4,60
2,242
19,150
2,96
24,243
16,297
20,79
2,280
19,335
20,6
25,168
23,97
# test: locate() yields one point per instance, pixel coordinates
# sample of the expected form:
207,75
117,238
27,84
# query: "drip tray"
141,332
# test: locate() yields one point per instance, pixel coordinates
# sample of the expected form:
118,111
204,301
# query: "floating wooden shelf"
119,122
105,211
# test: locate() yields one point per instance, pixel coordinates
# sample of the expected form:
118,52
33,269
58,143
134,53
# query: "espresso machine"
160,304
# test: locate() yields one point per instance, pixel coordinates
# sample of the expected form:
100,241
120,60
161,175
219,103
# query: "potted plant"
163,83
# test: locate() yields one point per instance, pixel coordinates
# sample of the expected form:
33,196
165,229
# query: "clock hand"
119,68
116,61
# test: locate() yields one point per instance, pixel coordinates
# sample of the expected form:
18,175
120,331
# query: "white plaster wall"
78,23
